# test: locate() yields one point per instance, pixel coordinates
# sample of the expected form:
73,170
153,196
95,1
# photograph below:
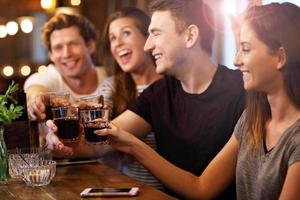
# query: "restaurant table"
70,180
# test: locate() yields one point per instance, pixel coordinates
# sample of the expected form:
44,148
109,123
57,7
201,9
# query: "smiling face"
126,44
255,60
165,43
69,52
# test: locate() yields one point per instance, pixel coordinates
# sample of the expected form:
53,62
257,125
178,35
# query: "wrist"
138,149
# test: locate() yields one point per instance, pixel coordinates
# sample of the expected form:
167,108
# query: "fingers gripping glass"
54,100
95,119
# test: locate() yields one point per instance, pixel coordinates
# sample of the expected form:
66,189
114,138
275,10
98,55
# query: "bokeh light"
75,2
8,71
3,31
12,27
42,68
25,70
48,4
26,25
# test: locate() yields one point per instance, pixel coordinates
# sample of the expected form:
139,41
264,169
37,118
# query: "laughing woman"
124,37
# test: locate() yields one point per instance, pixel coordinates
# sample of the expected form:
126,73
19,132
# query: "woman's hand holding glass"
117,138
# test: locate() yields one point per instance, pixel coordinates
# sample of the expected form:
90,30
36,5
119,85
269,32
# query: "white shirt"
52,79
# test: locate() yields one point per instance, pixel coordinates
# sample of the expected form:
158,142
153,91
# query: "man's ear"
91,45
281,58
50,55
192,35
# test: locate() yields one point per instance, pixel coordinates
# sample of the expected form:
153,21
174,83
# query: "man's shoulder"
50,75
229,75
165,83
230,72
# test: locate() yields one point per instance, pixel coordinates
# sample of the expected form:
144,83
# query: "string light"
48,5
26,24
12,27
3,31
75,2
8,71
25,70
42,68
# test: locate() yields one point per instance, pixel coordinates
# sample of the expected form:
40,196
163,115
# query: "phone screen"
109,190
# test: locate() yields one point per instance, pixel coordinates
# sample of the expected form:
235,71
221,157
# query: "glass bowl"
39,173
21,156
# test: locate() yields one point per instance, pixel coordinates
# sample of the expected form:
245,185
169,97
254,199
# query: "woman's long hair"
125,92
276,25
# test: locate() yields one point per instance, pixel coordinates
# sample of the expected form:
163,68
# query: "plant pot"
3,159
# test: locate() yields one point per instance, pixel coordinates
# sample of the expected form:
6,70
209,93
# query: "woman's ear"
281,58
192,35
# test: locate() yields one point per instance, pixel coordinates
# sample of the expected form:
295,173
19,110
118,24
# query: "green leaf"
8,113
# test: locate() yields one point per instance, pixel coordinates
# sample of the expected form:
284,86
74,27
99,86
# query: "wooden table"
70,180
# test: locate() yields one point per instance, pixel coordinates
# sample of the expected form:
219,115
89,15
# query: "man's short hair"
188,12
60,21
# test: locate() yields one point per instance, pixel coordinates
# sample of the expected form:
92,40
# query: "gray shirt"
261,175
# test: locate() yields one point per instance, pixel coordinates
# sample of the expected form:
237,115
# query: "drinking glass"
90,102
53,100
95,119
66,119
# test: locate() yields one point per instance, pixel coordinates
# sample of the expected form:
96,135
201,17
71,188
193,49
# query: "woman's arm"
291,186
215,179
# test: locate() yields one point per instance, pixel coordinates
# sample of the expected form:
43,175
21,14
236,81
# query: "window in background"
230,8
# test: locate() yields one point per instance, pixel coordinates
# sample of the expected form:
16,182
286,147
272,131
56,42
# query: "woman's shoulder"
108,82
101,73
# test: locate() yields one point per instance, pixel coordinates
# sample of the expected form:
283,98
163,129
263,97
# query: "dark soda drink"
48,113
67,128
90,127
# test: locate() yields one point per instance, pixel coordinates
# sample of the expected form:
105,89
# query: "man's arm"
132,123
35,105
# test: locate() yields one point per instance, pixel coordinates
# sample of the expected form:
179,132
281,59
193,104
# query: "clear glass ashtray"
39,173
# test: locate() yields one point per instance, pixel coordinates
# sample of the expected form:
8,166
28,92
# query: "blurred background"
21,50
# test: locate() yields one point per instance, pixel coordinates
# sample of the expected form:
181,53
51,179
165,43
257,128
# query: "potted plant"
9,111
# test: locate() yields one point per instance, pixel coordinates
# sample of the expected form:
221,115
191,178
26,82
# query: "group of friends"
182,123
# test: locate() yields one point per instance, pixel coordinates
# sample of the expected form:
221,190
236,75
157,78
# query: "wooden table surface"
70,180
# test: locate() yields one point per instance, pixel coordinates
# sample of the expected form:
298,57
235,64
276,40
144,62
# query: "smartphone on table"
100,192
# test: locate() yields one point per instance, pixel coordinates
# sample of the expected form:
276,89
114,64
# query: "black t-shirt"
192,128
